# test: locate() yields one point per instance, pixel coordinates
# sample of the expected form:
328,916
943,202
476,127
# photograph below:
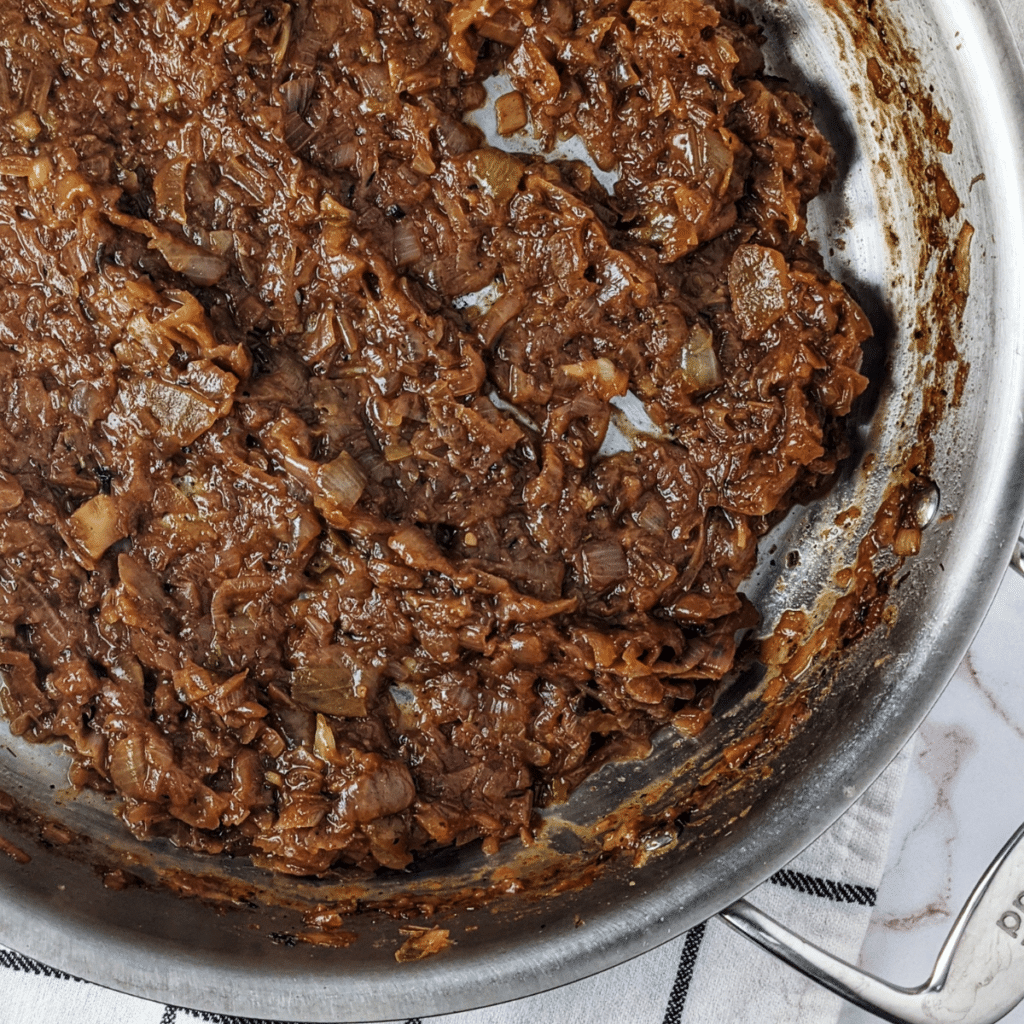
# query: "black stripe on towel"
839,892
209,1017
687,962
16,962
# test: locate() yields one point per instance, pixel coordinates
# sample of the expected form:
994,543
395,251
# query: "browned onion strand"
306,549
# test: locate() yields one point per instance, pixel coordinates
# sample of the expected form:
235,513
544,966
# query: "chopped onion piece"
128,766
645,689
11,492
96,525
341,685
510,113
907,541
331,209
296,93
604,564
169,188
699,361
455,136
759,285
26,126
397,452
504,27
200,267
324,744
408,249
652,515
16,166
341,482
421,942
611,381
491,324
499,173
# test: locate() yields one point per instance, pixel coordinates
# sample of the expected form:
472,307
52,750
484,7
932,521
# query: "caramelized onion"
127,766
510,113
408,249
96,525
699,361
202,268
11,492
365,441
604,564
499,173
340,482
759,285
338,684
169,189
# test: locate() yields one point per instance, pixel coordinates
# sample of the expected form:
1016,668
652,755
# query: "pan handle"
978,977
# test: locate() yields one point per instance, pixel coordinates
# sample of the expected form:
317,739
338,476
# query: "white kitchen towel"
708,976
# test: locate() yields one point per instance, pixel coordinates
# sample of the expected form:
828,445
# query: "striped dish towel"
710,975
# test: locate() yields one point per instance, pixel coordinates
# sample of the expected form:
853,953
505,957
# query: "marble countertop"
959,805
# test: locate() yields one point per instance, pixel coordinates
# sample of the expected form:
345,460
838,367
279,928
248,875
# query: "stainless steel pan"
912,93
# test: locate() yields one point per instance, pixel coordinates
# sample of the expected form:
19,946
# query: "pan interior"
941,92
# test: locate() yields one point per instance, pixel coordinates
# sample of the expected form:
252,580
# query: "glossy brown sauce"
305,552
